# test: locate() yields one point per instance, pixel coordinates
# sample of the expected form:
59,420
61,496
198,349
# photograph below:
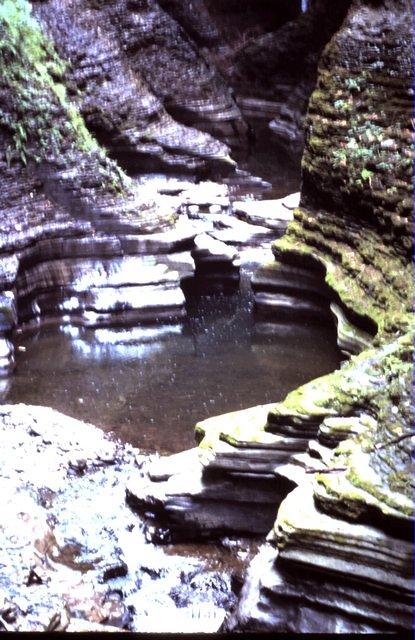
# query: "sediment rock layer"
345,440
354,219
91,94
129,61
339,446
273,71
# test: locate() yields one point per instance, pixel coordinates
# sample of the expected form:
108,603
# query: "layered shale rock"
84,242
356,522
201,494
81,241
191,89
273,70
270,213
63,198
344,440
350,528
129,62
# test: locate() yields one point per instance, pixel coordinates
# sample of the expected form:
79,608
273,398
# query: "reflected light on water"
150,384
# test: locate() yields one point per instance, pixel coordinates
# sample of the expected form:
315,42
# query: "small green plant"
34,105
31,68
366,174
343,105
353,84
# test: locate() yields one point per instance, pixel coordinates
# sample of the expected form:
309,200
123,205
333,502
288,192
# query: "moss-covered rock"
355,220
34,105
348,520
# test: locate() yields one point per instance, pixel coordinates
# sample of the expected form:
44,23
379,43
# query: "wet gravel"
72,554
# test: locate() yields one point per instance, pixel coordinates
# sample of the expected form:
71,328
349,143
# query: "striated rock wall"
351,525
273,71
357,170
62,197
91,94
71,97
333,459
140,77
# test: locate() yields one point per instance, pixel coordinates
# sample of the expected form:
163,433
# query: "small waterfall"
304,5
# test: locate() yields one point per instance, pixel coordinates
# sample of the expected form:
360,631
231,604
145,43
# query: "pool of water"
150,385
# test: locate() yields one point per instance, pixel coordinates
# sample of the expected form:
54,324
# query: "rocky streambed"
134,247
75,555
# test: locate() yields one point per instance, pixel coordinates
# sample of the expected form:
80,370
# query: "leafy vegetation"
32,94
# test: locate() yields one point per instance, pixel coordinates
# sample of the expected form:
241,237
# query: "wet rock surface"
129,276
339,448
131,88
75,557
328,468
94,109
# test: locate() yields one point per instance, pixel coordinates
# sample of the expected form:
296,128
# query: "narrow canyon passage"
206,326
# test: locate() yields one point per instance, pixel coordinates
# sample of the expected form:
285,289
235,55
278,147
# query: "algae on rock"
42,120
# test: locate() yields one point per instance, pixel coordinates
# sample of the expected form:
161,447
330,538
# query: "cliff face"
268,56
352,522
333,459
357,165
274,73
129,63
94,96
70,84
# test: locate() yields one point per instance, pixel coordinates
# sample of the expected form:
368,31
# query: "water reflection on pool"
150,385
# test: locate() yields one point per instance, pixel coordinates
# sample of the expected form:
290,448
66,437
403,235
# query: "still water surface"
150,385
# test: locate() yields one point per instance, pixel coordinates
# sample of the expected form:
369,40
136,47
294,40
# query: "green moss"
371,281
35,107
343,105
355,229
378,458
30,68
344,146
359,487
354,84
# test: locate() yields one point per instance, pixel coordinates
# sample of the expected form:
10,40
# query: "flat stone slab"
207,247
194,507
206,194
292,201
274,214
321,541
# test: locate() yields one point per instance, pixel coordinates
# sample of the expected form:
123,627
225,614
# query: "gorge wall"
96,95
355,220
333,461
93,97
